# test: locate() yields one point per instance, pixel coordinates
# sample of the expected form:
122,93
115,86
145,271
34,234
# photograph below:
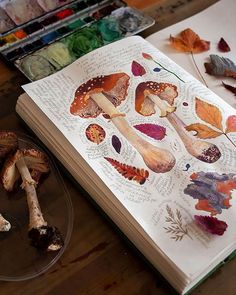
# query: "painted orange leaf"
203,131
189,41
209,113
129,172
231,124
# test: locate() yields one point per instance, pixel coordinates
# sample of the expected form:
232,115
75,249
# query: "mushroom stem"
162,105
28,184
157,159
202,150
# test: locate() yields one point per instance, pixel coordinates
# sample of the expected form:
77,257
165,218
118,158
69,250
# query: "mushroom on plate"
28,164
162,95
8,143
102,95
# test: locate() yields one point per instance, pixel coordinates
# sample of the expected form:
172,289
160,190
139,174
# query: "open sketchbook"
124,132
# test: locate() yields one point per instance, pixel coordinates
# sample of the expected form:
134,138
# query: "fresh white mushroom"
101,95
161,95
24,164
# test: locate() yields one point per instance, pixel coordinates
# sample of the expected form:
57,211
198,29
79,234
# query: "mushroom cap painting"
114,87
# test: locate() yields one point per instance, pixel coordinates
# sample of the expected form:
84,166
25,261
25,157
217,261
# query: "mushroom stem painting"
161,95
28,164
103,94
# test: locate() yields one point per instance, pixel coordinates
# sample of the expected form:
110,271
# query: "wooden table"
97,260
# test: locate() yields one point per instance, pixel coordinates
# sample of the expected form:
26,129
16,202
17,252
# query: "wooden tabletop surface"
97,260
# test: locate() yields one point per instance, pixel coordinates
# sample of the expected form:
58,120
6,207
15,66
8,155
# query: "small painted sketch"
175,226
95,133
152,95
211,115
129,172
212,190
137,69
154,131
116,143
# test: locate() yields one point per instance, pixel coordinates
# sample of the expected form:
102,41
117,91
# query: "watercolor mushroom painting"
150,95
28,165
103,94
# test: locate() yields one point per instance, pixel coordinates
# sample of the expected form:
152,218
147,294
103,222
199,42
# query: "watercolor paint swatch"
54,57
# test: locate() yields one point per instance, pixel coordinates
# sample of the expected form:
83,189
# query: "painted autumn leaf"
211,224
129,172
154,131
116,143
203,131
231,124
189,41
137,69
209,113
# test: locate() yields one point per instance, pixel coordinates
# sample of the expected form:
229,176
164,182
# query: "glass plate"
19,260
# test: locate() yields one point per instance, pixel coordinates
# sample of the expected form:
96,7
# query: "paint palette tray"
55,39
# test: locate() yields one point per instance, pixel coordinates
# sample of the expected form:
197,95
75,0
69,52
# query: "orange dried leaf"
189,41
203,131
129,172
209,113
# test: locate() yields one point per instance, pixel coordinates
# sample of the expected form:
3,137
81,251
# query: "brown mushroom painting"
150,95
103,94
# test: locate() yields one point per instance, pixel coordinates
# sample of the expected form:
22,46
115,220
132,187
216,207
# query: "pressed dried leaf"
211,224
220,66
152,130
231,124
189,41
129,172
203,131
137,69
116,143
209,113
223,45
230,88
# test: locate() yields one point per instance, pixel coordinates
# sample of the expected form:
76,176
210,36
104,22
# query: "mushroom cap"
113,86
8,143
35,160
144,105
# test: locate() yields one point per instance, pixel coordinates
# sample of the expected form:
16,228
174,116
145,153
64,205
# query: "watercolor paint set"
41,37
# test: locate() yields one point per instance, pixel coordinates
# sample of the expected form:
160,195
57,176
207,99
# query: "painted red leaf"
152,130
231,124
137,69
129,172
223,45
230,88
146,55
211,224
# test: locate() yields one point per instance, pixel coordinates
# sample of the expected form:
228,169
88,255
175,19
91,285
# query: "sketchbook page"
163,179
211,24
